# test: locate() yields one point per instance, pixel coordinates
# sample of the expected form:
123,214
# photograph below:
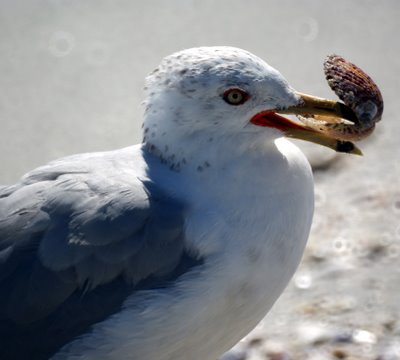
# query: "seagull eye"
235,96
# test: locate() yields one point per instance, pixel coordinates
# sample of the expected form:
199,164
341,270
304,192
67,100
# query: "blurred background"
71,79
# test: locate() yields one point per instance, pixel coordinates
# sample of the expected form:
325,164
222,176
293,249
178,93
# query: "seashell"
362,101
357,90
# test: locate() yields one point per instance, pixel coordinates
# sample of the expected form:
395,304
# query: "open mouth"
334,115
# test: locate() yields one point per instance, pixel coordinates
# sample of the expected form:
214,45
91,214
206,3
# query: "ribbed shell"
355,88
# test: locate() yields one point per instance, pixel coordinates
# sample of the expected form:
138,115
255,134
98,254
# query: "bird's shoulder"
81,230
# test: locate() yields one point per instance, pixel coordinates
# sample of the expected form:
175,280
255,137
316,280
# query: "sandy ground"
71,75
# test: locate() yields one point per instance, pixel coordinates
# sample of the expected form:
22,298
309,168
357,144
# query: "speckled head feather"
185,96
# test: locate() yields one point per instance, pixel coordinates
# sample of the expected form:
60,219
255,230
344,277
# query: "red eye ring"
235,96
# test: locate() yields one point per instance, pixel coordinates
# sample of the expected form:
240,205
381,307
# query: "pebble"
339,354
364,337
313,333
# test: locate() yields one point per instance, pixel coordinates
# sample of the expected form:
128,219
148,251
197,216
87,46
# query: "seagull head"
227,93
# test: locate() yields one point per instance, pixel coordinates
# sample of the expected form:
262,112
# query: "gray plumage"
76,238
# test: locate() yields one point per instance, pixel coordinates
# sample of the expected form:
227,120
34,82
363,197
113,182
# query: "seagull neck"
182,154
202,151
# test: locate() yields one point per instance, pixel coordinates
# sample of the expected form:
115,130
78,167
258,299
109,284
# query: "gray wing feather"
78,224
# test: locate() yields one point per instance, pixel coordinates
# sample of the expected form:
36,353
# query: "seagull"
174,248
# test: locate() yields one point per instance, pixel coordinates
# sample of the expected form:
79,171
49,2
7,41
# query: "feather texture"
76,238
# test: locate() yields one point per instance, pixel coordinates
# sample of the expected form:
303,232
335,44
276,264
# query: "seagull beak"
310,106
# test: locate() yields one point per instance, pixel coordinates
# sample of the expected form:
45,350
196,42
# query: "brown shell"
356,89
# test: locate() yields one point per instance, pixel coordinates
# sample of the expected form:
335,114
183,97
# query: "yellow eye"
235,96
